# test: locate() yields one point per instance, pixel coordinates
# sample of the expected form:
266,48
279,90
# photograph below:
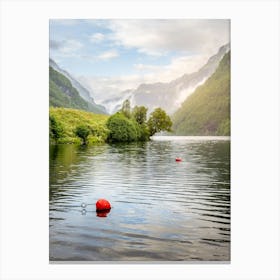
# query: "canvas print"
139,140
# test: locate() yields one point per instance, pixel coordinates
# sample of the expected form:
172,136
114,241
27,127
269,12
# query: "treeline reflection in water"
162,210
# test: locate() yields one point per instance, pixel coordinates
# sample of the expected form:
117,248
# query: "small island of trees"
127,125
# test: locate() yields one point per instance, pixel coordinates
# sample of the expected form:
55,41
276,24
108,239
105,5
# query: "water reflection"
65,162
162,210
103,214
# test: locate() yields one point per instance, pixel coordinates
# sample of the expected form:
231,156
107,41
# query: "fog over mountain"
168,96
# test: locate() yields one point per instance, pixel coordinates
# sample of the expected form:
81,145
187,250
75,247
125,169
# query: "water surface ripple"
162,210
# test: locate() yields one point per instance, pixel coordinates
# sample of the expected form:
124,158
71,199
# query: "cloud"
55,45
178,67
187,44
108,87
67,47
97,37
104,88
157,37
108,55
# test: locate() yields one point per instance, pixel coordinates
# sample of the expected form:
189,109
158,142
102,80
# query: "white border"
255,138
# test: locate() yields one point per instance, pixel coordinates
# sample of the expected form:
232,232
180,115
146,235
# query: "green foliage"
83,132
140,114
122,129
224,127
70,119
135,128
126,109
63,94
55,129
207,110
80,127
159,121
144,134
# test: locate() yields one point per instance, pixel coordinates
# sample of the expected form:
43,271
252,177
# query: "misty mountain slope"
63,94
207,110
114,104
170,96
82,91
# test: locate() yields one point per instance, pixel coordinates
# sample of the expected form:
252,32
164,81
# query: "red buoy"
178,159
102,205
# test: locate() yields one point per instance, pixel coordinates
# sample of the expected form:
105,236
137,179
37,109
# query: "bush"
55,129
70,119
121,129
82,132
69,140
144,132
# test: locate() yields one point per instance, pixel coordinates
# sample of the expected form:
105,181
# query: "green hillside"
67,120
63,94
207,110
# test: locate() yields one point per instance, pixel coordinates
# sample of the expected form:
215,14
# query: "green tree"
144,132
82,132
56,130
159,121
140,114
126,109
122,129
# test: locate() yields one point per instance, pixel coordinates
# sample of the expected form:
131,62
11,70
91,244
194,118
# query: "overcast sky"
120,54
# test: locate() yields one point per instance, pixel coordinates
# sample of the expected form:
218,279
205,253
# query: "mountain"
63,94
168,96
82,91
207,110
114,104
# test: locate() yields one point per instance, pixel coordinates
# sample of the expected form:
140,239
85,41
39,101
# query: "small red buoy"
102,205
178,159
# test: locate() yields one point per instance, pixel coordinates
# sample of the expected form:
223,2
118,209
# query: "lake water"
162,210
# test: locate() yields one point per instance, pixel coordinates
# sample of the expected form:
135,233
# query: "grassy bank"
64,122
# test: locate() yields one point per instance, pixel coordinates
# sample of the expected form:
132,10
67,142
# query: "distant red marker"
178,159
102,205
